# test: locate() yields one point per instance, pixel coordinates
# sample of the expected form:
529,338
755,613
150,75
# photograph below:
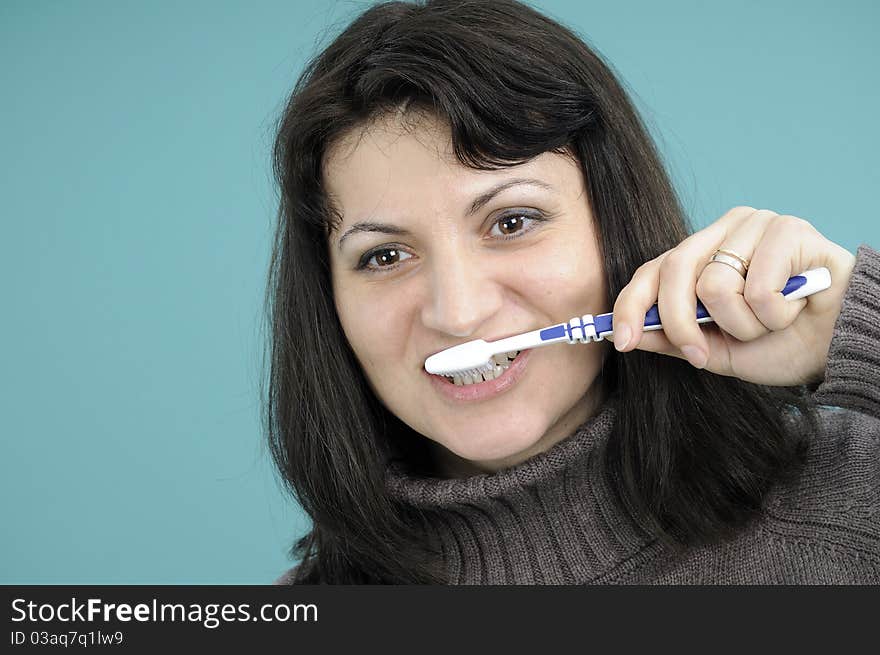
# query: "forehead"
389,155
402,161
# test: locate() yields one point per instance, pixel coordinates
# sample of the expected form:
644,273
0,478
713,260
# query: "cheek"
571,275
375,324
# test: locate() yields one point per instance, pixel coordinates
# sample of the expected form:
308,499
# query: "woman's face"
428,256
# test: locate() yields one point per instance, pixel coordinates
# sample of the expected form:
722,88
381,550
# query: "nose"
462,297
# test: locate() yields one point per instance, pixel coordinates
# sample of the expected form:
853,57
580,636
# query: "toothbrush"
475,357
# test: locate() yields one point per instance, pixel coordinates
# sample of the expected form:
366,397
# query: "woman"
459,170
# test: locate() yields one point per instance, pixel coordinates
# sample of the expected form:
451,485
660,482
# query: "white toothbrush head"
471,358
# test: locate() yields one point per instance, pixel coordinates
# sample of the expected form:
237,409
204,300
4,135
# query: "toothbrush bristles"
479,370
474,358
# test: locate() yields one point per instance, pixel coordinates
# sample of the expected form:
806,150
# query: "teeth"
504,359
476,378
501,363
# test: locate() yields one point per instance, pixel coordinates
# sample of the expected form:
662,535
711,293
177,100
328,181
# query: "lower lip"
481,390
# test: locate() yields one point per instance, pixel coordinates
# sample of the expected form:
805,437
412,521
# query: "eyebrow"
479,202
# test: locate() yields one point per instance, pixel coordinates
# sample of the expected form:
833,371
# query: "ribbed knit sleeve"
852,374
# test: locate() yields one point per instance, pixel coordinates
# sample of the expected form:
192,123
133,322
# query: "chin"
497,440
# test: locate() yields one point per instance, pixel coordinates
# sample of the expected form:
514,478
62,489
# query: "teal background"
137,207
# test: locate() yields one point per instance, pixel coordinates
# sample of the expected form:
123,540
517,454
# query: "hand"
758,335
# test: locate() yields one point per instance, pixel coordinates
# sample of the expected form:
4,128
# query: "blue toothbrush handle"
587,328
798,286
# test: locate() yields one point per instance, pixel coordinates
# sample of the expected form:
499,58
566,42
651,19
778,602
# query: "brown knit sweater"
553,519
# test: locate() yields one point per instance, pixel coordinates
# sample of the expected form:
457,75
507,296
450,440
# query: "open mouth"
502,363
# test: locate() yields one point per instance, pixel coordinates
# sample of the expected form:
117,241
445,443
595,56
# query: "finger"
733,217
719,359
632,303
778,256
637,297
656,342
720,286
676,295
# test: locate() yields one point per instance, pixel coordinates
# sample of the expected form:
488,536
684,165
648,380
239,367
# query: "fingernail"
622,335
694,355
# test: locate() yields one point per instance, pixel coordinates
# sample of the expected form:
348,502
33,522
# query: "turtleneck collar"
551,519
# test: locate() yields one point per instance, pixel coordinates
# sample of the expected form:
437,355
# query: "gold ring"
745,262
734,262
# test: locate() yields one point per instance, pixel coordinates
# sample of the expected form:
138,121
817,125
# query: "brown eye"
387,258
510,224
514,225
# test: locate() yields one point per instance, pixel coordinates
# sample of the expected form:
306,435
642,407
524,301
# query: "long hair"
691,456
